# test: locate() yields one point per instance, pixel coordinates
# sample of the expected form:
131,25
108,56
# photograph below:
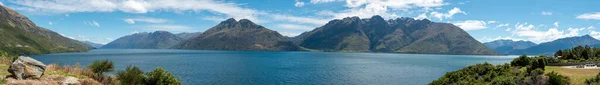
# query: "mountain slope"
238,35
95,45
186,35
155,40
504,46
553,46
403,35
19,35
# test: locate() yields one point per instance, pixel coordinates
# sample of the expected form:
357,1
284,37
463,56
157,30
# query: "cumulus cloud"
546,13
92,23
595,34
589,16
306,20
555,24
530,32
448,15
144,19
489,39
471,25
50,23
299,4
1,4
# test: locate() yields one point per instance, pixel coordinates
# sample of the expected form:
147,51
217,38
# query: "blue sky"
102,21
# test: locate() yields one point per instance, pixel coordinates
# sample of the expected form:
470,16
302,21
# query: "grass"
60,73
577,76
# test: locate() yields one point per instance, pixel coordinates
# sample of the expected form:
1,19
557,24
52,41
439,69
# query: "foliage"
159,76
556,79
522,60
593,81
101,66
131,76
579,53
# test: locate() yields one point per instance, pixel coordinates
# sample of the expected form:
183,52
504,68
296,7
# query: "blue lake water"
197,67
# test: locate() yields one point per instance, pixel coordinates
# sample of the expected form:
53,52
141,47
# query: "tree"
101,66
593,80
522,60
558,53
131,76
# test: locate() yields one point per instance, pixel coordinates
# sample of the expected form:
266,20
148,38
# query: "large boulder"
27,68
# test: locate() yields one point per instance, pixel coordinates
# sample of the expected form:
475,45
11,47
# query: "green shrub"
556,79
101,66
131,76
160,76
593,80
522,60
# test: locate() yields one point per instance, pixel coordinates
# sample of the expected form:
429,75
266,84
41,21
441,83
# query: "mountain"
186,35
19,35
95,45
401,35
238,35
504,46
559,44
145,40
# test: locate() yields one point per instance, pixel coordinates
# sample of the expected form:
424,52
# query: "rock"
26,67
70,81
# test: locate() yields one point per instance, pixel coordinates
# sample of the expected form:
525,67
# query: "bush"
101,66
131,76
593,80
522,60
159,76
556,79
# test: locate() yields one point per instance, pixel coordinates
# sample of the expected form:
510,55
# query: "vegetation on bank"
529,70
95,72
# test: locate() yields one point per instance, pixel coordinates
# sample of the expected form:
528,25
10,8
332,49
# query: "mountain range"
145,40
95,45
401,35
504,46
238,35
559,44
19,35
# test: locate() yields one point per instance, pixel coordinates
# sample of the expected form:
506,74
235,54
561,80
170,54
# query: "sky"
102,21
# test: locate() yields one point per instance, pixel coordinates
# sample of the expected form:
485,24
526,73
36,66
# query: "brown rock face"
27,68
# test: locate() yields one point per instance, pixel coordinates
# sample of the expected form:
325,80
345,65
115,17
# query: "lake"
197,67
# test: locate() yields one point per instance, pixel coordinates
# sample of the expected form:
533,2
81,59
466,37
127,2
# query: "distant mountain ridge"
402,35
504,46
95,45
559,44
145,40
238,35
19,35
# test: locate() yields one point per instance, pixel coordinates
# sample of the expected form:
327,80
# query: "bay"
199,67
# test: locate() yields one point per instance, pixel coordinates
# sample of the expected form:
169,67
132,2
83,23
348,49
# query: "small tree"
101,66
160,76
131,76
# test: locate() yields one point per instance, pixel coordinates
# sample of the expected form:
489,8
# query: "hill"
145,40
504,46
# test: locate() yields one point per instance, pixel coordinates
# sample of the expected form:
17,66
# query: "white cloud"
595,34
502,25
50,23
214,18
396,4
491,22
546,13
299,4
92,23
507,29
307,20
471,25
589,16
295,27
1,3
488,39
531,33
144,19
290,34
555,24
323,1
448,15
136,6
421,16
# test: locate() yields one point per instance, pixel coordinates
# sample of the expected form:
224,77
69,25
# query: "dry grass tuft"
78,72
